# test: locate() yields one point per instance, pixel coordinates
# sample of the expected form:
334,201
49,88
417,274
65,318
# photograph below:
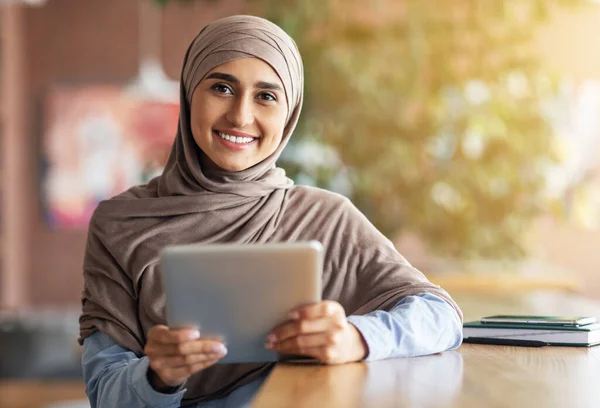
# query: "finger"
201,346
305,326
296,344
162,334
182,360
318,310
180,374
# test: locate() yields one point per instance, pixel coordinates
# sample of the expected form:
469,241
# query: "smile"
235,139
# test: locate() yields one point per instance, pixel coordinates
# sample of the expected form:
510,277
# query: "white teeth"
235,139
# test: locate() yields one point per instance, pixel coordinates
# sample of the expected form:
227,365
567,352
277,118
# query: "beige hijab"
189,203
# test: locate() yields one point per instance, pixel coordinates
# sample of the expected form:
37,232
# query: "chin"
234,166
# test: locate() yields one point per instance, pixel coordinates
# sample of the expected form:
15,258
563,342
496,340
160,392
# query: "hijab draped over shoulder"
194,203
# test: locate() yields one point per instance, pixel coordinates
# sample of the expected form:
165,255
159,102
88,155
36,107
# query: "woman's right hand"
176,354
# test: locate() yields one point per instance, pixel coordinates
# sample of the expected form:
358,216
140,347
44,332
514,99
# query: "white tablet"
240,292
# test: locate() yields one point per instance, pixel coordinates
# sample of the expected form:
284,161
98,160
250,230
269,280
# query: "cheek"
203,115
276,127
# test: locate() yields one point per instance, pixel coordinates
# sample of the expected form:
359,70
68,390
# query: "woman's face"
238,113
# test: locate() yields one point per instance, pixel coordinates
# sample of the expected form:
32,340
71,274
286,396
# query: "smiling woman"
241,96
238,114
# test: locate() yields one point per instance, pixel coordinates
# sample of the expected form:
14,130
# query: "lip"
236,147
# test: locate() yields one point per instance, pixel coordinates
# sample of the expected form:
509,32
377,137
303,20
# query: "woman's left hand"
320,330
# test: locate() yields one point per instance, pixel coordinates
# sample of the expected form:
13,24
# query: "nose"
241,112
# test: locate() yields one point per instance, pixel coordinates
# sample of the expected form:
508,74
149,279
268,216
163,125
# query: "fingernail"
220,349
193,335
294,315
272,338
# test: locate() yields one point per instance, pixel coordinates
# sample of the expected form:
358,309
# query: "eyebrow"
234,80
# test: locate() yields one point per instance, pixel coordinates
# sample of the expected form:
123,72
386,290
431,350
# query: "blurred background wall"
67,41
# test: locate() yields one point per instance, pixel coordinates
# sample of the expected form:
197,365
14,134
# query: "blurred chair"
39,345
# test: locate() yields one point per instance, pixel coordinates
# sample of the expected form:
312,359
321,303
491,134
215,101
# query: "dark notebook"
585,336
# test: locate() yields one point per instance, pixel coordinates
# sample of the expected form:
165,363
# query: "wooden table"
38,394
473,376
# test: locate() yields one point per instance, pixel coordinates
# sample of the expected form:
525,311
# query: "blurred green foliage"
435,110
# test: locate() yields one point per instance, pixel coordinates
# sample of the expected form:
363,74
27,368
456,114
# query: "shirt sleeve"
115,376
417,325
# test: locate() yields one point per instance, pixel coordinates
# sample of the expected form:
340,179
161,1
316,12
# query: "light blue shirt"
415,326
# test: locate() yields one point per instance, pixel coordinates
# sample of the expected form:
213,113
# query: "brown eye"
267,96
222,88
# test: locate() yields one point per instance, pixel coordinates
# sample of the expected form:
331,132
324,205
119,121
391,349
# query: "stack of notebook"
531,334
